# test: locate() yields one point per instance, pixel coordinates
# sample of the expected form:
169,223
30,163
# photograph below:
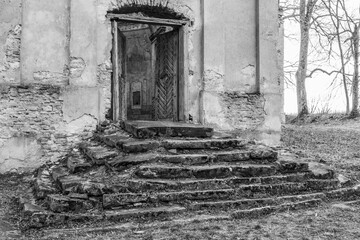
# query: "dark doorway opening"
148,69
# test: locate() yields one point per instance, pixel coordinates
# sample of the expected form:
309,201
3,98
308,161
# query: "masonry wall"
33,129
42,114
55,72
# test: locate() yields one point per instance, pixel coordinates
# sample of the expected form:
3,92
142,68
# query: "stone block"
123,162
293,166
185,159
204,172
204,144
44,184
77,163
147,213
99,154
140,146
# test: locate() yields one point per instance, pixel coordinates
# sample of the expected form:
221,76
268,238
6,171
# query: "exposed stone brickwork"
9,68
244,111
104,74
33,115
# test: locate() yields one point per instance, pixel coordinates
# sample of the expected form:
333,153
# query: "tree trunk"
355,84
306,10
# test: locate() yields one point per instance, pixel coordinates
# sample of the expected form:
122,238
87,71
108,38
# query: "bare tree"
355,82
343,30
306,13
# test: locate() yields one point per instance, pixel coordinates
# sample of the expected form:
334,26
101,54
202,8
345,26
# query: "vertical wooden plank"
175,54
123,85
115,66
257,37
183,77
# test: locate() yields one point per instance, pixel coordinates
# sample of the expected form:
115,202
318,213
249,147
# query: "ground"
330,139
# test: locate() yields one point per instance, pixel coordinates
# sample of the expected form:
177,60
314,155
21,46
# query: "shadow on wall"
20,153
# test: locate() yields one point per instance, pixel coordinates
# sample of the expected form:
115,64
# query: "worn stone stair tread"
351,193
131,160
168,211
293,166
140,146
209,171
44,184
257,212
323,184
198,184
204,143
243,204
245,191
99,154
244,155
114,140
78,163
148,129
186,159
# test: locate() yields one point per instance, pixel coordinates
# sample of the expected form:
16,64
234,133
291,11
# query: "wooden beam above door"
148,20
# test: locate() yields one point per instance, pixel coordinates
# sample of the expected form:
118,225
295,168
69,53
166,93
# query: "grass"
330,139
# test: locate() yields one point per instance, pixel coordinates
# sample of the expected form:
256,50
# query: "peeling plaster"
46,77
85,122
77,67
20,153
249,71
213,81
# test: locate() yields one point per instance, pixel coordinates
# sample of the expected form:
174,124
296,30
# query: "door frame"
119,89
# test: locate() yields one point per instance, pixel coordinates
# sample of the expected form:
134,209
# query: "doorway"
148,65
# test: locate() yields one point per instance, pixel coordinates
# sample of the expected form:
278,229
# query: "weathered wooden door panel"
119,70
166,78
140,74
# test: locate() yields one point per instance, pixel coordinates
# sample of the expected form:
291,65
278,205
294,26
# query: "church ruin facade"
67,65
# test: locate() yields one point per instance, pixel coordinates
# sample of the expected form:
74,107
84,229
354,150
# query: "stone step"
261,211
150,129
128,200
113,140
155,213
293,166
97,153
44,184
140,146
245,204
77,203
204,143
81,185
148,185
195,144
77,162
203,172
237,156
124,161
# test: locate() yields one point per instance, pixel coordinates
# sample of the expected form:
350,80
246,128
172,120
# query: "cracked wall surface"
34,128
10,32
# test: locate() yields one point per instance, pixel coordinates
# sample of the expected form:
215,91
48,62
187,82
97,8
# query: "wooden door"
166,77
119,70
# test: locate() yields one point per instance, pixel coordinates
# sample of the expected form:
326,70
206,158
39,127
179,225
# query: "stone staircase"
172,171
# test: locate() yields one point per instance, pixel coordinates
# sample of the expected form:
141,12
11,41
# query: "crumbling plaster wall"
32,126
10,30
232,96
60,89
48,100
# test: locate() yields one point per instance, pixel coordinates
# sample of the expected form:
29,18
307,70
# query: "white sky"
318,87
